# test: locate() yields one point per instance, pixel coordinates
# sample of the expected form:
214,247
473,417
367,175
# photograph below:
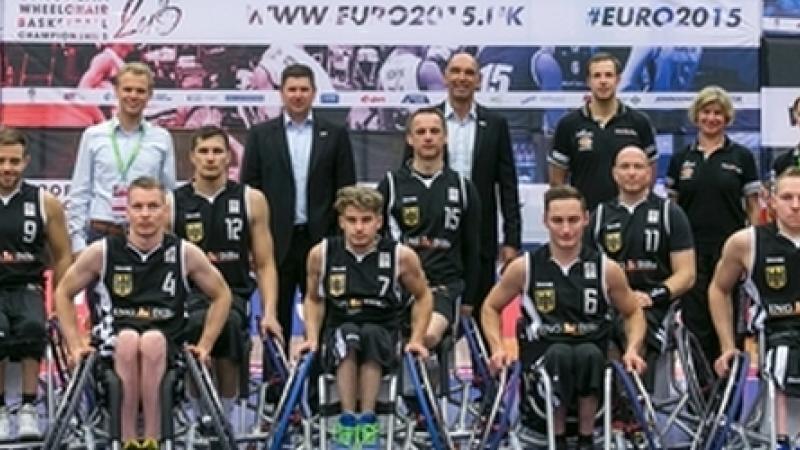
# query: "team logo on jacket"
410,216
776,276
122,284
613,241
585,140
336,283
545,300
194,231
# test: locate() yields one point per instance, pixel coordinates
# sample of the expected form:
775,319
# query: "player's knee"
153,348
126,347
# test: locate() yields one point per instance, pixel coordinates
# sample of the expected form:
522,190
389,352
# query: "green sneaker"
344,435
369,432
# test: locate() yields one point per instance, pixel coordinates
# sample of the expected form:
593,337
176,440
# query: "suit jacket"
493,167
268,167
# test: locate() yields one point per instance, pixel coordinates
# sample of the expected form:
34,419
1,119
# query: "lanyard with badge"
119,191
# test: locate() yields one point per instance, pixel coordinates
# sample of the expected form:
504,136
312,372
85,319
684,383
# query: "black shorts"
233,340
22,322
370,341
576,370
446,298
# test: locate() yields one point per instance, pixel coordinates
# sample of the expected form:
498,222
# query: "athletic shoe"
344,435
369,432
149,444
28,422
5,424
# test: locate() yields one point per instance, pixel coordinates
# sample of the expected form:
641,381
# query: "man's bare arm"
413,279
264,261
731,265
313,306
511,284
625,301
57,237
85,270
684,272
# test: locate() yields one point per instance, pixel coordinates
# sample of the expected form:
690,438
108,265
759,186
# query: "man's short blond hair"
137,68
360,197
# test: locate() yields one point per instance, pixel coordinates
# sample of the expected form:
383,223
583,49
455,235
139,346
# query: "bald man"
650,237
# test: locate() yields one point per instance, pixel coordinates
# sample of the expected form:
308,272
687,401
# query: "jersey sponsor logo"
171,255
337,283
625,132
29,209
775,276
687,170
731,167
452,194
590,270
613,241
585,140
780,309
384,260
545,300
355,304
410,216
194,231
122,284
17,257
233,206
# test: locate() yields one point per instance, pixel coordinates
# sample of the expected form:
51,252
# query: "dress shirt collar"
116,126
308,121
450,113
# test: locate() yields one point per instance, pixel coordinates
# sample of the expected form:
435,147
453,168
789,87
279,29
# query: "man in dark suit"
299,161
479,147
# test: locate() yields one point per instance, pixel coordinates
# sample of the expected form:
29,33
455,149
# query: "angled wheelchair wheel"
436,426
730,405
210,402
70,402
289,400
639,402
498,422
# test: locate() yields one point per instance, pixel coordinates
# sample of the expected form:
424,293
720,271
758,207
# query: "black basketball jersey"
425,214
360,289
220,227
141,290
773,283
638,240
22,237
565,307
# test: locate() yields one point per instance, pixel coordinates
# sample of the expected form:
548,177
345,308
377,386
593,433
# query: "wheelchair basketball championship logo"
411,216
337,283
545,300
194,231
613,241
776,276
122,284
